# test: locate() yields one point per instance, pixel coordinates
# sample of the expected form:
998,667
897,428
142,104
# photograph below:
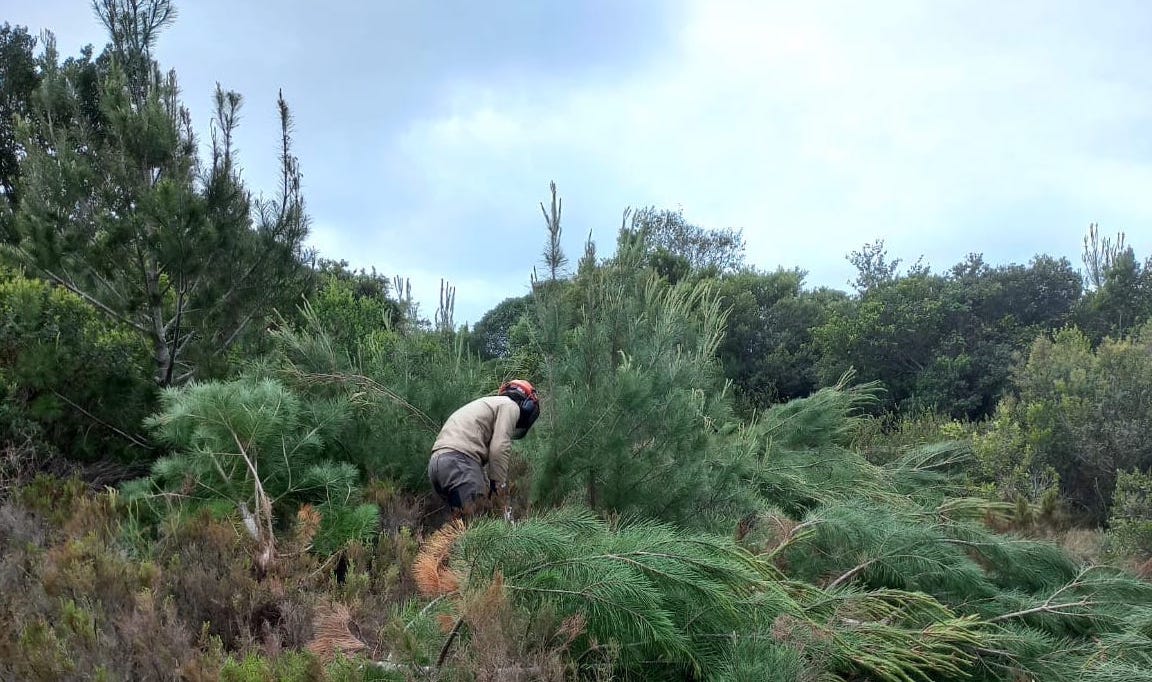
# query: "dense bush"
85,596
259,450
398,387
1130,525
69,378
1081,414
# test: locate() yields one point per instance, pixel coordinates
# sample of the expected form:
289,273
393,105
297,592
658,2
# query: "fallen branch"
448,643
1046,608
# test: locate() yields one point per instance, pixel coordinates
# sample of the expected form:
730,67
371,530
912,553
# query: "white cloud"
819,126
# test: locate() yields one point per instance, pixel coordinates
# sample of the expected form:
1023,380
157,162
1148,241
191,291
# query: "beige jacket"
482,429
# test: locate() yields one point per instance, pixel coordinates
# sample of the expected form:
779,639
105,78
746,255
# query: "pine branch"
366,382
448,643
119,317
123,434
1048,607
851,573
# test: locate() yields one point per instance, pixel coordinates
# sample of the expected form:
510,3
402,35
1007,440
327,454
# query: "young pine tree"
116,206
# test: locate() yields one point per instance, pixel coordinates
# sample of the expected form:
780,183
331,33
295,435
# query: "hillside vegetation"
213,443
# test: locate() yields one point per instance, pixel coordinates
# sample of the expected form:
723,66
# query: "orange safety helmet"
522,386
524,394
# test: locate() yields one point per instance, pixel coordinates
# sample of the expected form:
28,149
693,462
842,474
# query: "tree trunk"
591,488
161,350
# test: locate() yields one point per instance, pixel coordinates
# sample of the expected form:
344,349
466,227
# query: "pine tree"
554,256
634,392
260,449
117,207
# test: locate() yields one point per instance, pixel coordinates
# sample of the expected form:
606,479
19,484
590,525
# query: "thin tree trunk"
592,487
161,350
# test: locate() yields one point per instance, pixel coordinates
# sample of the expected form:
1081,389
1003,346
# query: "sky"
428,132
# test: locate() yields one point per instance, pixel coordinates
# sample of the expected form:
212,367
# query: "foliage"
1130,524
258,447
399,387
873,269
635,400
1082,412
1122,300
352,309
946,342
19,78
674,604
76,379
116,206
733,477
84,597
768,349
491,336
677,247
662,593
1008,464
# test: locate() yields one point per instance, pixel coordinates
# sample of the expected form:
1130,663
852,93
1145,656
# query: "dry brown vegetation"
85,599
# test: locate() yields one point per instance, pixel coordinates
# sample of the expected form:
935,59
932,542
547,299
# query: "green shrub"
69,377
1130,526
1081,415
399,386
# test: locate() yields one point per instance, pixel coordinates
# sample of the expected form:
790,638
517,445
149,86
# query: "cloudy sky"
428,132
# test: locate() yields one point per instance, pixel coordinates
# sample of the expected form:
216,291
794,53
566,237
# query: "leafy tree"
1085,413
351,307
19,78
490,336
873,268
893,334
1019,299
768,349
1123,300
117,208
363,283
672,239
946,341
1099,255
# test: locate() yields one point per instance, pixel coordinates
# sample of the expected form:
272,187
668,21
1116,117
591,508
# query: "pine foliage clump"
671,603
398,386
636,400
848,526
258,449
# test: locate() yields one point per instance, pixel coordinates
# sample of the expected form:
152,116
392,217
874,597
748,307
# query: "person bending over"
476,436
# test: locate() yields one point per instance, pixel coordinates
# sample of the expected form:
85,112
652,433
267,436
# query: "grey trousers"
458,479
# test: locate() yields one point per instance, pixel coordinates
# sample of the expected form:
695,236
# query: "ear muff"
529,411
524,395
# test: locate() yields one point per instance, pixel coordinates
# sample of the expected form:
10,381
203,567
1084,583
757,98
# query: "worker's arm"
500,448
